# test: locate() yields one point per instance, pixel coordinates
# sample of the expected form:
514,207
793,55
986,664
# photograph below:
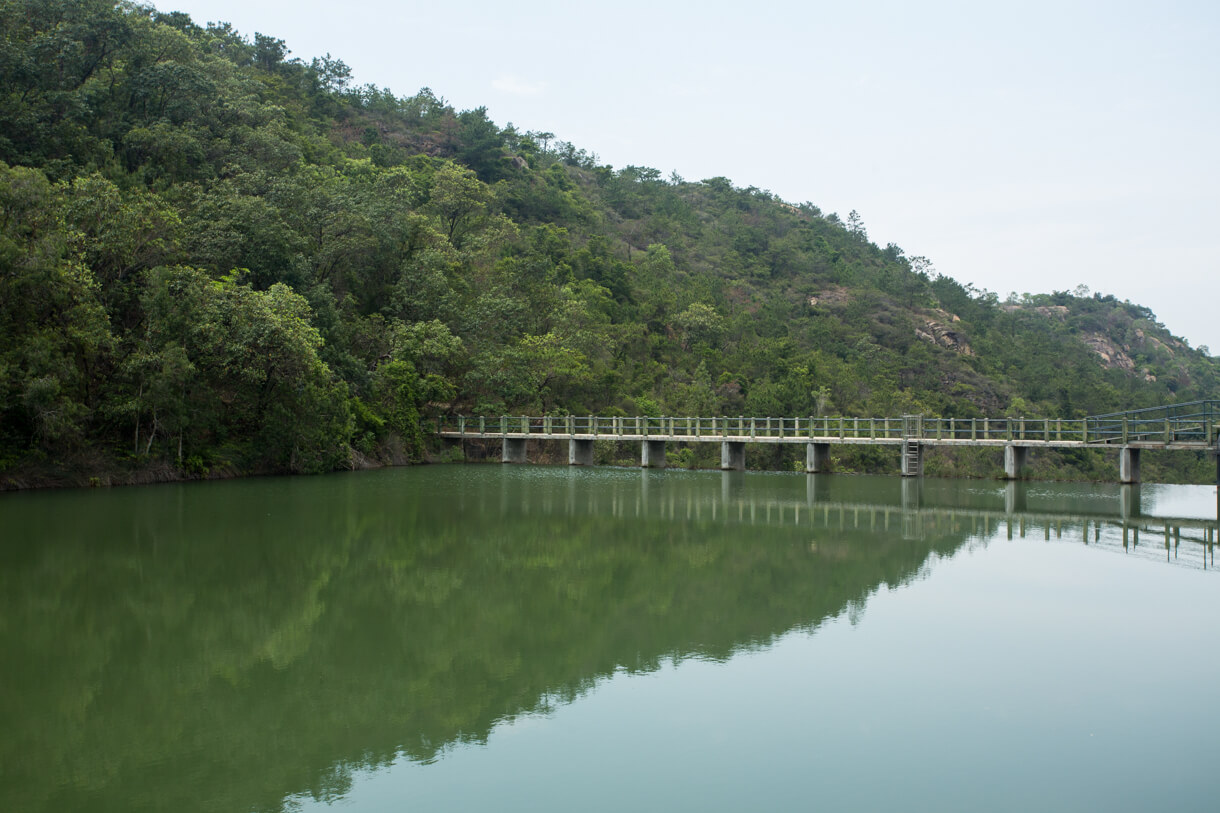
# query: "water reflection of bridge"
1110,519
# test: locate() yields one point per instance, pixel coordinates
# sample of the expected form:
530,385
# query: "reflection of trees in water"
226,645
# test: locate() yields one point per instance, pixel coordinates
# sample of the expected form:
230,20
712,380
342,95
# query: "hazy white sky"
1021,147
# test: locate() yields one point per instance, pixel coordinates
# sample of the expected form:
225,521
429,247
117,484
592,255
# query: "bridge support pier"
1128,465
1014,460
733,455
652,454
580,452
815,490
514,451
817,458
1129,501
912,458
1016,498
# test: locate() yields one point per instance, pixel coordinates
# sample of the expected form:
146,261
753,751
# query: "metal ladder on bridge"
910,458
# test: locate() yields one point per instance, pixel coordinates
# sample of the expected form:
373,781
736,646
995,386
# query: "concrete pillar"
817,458
1129,500
514,451
1016,499
732,482
652,454
1128,465
816,489
912,458
1014,460
733,455
580,452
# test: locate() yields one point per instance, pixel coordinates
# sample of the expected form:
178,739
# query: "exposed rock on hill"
1112,356
937,333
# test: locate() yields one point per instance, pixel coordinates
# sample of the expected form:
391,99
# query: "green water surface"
538,638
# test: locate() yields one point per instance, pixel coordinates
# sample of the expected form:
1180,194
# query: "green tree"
458,199
55,338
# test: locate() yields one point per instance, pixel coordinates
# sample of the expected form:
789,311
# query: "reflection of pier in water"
909,508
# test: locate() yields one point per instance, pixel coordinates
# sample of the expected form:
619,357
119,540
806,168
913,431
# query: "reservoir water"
513,638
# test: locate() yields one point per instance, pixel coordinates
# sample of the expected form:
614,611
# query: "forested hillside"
216,259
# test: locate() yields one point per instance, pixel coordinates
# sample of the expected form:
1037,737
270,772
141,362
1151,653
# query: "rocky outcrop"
1112,356
935,332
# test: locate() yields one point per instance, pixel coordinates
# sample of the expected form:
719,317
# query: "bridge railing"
821,428
1191,421
1045,430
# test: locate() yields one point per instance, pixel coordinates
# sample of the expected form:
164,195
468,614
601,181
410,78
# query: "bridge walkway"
1189,426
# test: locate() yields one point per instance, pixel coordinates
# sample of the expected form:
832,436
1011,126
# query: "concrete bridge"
1191,426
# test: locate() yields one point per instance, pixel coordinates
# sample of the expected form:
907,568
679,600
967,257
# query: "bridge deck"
830,439
1182,427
